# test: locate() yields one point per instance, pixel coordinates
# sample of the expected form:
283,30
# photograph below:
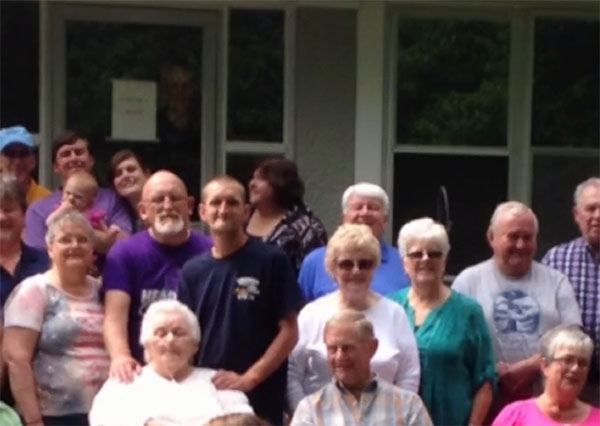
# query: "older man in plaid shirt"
355,396
579,260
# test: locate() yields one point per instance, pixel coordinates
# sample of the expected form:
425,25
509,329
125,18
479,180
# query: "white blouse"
396,359
195,400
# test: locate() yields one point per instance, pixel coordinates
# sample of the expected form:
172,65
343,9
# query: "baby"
79,194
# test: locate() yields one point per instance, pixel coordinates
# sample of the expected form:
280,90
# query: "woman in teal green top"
457,363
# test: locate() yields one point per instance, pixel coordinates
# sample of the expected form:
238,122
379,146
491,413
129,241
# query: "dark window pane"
19,56
553,208
241,166
255,87
475,185
171,56
452,82
566,93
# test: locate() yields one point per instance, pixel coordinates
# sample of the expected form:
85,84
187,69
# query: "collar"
369,388
385,249
586,246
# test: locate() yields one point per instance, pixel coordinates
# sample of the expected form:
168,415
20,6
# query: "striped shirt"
380,403
577,261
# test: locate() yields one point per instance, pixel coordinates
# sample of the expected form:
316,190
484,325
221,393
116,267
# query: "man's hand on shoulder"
124,368
225,379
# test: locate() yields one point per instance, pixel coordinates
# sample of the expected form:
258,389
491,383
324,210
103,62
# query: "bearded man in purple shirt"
70,154
147,267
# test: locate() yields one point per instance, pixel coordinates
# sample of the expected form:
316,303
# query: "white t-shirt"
396,359
519,311
193,401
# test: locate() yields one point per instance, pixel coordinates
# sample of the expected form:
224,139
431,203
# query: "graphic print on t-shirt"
246,288
151,295
516,312
516,318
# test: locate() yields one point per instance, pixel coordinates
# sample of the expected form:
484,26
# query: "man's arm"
481,404
105,238
116,317
35,227
274,356
517,377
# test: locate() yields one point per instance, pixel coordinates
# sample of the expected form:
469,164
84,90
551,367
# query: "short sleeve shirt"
147,271
239,301
70,363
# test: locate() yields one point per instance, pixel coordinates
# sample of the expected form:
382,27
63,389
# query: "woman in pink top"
566,353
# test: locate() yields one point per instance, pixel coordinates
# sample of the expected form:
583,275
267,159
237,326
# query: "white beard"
168,226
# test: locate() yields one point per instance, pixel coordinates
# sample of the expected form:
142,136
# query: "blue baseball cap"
15,134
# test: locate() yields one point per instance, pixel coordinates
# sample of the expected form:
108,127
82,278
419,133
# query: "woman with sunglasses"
351,257
457,361
566,357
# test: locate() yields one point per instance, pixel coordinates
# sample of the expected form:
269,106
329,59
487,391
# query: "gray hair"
365,189
351,236
11,190
423,229
167,306
593,181
68,216
364,327
565,336
511,208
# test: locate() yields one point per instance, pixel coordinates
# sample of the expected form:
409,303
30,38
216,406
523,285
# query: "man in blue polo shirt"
368,204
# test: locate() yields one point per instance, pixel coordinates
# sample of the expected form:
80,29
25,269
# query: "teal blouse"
456,356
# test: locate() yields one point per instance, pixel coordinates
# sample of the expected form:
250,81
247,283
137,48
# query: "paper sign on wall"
134,110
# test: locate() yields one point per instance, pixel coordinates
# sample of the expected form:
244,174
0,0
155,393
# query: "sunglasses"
362,264
419,255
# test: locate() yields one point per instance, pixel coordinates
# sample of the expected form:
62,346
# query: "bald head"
160,178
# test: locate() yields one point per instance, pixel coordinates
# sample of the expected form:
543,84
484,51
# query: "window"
19,56
98,52
474,184
452,92
452,82
565,121
255,75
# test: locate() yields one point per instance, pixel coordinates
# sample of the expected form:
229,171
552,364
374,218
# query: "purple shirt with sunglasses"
389,277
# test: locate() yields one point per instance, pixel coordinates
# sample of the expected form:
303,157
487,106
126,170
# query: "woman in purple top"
567,353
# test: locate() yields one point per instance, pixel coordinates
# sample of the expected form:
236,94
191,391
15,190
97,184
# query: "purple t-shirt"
147,271
106,200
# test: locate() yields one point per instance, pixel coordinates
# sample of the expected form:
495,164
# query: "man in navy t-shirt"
147,267
245,295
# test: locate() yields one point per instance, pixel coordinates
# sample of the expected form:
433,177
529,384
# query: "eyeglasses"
570,361
362,264
159,200
420,254
17,152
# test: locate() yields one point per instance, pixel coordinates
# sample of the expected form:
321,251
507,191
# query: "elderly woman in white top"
169,390
351,258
